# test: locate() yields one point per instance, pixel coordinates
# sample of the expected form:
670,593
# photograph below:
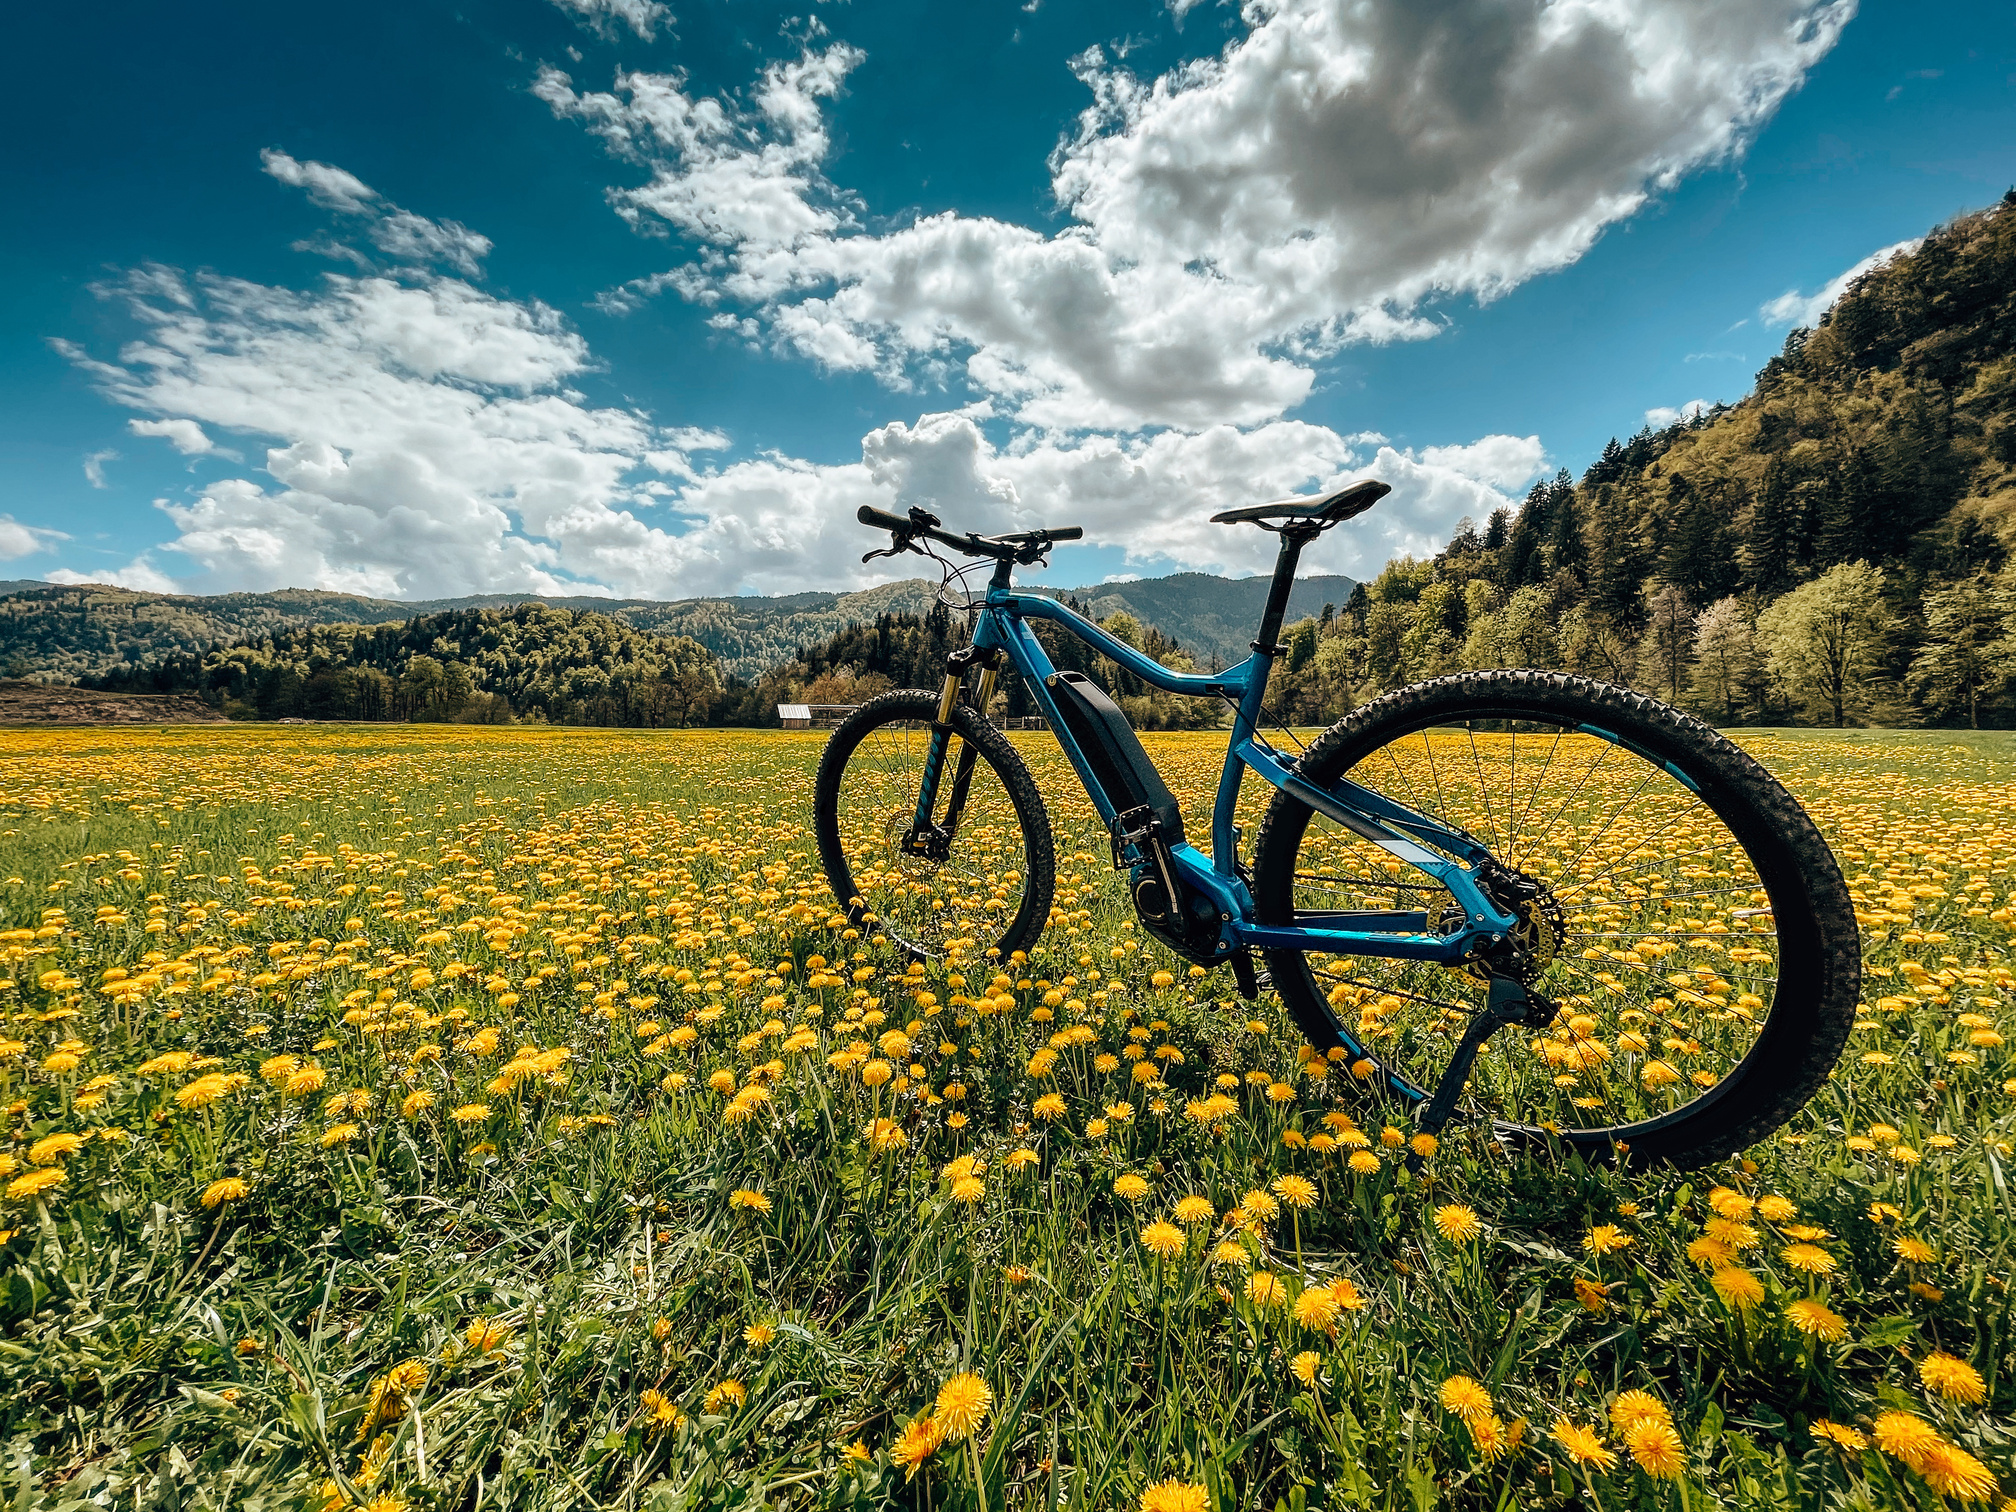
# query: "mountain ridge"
70,631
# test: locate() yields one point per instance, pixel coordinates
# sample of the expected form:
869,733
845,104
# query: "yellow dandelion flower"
416,1103
1306,1365
34,1183
1264,1289
1593,1295
1131,1187
1346,1293
470,1113
1952,1377
1193,1211
1175,1495
1232,1252
660,1411
1584,1445
1912,1250
754,1202
1296,1191
1606,1239
1466,1398
338,1134
1163,1239
1810,1258
1737,1287
1903,1436
1049,1106
228,1189
968,1189
1457,1223
1840,1435
1637,1407
1952,1471
1657,1449
51,1148
729,1393
962,1405
1260,1206
918,1441
758,1335
1317,1309
1816,1318
1364,1163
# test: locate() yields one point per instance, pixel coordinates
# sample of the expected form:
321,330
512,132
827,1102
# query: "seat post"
1293,538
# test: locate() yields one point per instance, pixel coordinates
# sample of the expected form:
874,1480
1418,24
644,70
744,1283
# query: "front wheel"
1684,913
989,886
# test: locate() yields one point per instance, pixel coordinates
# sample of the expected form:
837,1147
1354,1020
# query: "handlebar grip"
1068,533
881,519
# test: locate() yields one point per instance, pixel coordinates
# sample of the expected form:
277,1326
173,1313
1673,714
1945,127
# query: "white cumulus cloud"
423,437
18,540
1795,309
186,436
641,16
1662,415
1323,180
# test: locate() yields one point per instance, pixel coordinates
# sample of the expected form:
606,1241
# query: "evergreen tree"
1666,652
1524,559
1773,551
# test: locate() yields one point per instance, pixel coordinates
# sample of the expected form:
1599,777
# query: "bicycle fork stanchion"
923,829
1508,1003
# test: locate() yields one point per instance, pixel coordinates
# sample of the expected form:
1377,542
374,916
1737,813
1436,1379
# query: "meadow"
454,1117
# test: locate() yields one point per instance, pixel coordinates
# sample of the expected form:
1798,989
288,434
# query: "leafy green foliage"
1885,437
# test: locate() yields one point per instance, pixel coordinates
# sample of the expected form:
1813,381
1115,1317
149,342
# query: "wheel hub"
1537,932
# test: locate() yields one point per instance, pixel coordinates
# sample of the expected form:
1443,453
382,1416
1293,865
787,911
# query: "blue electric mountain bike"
1478,852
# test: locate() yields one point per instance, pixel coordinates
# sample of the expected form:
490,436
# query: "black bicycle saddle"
1343,505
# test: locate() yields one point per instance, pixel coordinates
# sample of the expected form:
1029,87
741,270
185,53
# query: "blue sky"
597,295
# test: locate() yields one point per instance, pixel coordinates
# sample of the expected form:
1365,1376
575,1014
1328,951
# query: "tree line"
1833,549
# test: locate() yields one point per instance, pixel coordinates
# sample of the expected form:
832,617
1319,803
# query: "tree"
1824,641
1970,647
1725,659
1773,551
1667,648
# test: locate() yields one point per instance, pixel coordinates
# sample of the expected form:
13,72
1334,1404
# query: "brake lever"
898,544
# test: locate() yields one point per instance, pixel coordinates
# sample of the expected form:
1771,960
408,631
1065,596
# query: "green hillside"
1835,549
66,633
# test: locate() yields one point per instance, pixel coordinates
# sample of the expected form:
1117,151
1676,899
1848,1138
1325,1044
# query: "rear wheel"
1682,910
991,886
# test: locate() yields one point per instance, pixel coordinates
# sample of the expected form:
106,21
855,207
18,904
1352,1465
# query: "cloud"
1507,461
641,16
1662,415
426,440
406,238
140,574
1327,178
18,540
186,436
94,466
1795,309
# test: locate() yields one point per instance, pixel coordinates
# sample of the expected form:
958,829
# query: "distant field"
449,1116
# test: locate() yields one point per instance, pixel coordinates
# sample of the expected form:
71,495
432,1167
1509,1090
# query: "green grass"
157,1352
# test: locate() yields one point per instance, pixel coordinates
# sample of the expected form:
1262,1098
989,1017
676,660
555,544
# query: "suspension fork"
942,736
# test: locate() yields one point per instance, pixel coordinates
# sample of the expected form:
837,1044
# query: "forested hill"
472,665
1836,547
89,631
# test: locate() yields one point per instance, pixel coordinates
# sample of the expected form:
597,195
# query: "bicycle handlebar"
1019,546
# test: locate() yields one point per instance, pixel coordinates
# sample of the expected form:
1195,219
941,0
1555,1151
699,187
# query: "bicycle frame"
1003,629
